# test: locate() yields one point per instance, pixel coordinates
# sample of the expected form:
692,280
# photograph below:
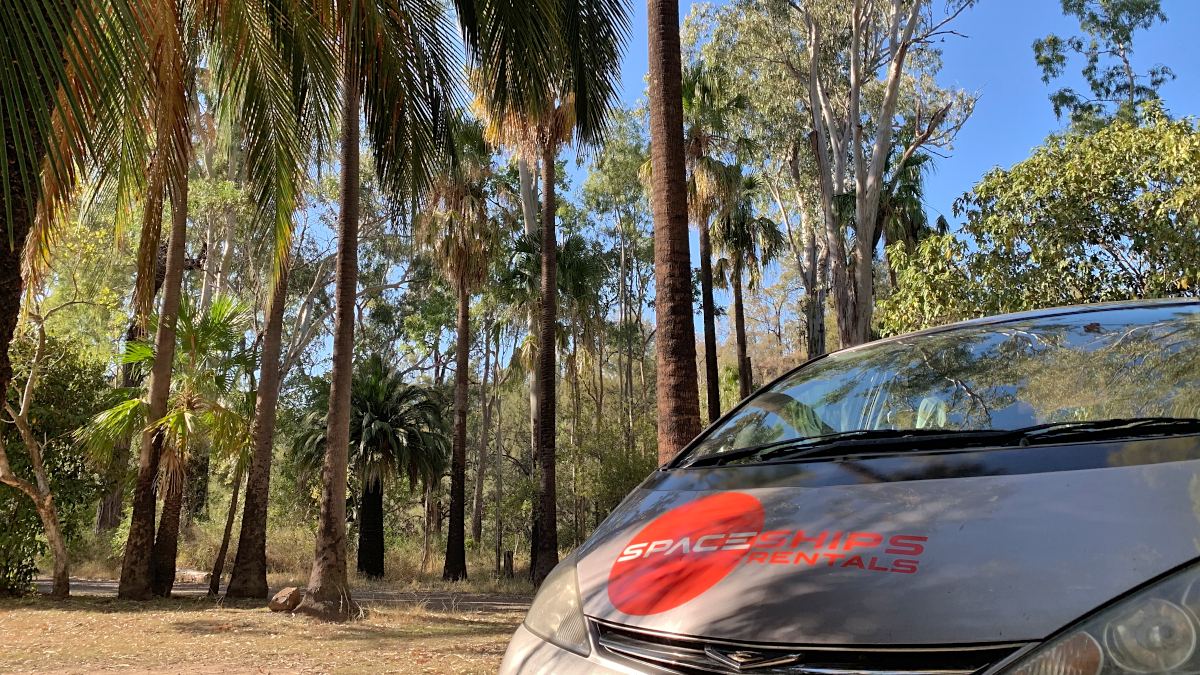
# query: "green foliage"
396,429
1089,217
1107,50
71,386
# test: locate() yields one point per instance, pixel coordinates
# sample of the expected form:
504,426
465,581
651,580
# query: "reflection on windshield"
1117,363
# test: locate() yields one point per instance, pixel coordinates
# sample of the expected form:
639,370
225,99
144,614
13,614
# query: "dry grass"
90,634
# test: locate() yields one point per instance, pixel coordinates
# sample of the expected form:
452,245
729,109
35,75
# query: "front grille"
682,654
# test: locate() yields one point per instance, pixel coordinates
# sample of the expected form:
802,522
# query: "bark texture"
546,540
166,543
328,593
745,378
677,395
249,576
481,456
456,548
136,582
370,530
711,375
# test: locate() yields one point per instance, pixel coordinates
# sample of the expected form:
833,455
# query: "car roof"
1067,310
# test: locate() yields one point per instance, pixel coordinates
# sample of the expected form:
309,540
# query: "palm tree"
707,111
118,102
458,235
397,59
203,406
241,461
747,244
395,429
678,398
56,81
575,103
902,207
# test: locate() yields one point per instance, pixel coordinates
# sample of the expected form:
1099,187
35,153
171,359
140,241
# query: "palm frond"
112,426
58,61
275,62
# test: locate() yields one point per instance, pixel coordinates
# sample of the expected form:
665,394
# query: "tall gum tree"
888,50
761,47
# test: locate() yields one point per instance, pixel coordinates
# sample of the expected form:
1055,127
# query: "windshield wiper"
812,445
872,441
1114,428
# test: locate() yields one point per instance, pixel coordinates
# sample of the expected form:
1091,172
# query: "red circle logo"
684,552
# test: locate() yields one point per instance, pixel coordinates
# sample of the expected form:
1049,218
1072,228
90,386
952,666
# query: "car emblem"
746,660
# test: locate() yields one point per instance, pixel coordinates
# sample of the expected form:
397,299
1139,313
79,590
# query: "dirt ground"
406,632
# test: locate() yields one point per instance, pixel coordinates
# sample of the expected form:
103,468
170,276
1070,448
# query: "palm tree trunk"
745,383
456,552
248,578
484,432
370,530
427,531
112,506
166,544
195,498
328,589
678,398
18,199
214,581
711,376
546,543
499,467
136,581
529,206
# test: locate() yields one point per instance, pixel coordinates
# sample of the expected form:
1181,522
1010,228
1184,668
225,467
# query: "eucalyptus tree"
455,229
1117,90
763,49
892,39
678,398
748,243
396,429
615,189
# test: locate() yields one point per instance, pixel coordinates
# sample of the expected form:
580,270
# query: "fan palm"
395,429
708,108
203,406
455,230
747,243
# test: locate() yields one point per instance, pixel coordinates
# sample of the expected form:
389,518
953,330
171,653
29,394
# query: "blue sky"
995,60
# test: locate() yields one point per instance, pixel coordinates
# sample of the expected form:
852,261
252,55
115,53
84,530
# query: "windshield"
1082,367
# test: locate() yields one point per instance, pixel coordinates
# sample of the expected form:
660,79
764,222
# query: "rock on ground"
286,600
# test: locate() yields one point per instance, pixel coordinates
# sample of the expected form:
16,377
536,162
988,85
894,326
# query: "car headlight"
1152,631
556,614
